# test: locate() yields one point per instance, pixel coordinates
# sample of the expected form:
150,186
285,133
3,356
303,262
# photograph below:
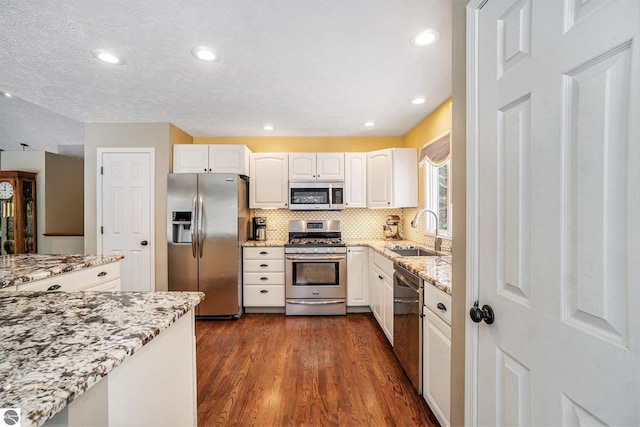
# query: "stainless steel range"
316,269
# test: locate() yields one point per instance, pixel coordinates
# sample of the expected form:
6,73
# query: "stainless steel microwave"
316,196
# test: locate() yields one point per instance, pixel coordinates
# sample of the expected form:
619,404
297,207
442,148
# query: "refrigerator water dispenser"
181,227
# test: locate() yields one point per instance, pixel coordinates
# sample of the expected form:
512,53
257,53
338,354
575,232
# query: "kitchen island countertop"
56,345
19,269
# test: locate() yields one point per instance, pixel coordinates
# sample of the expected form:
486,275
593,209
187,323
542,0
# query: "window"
436,160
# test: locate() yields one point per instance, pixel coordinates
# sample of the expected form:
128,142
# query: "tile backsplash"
355,223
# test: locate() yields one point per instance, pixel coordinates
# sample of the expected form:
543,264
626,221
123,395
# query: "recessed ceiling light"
204,54
268,127
107,57
418,100
425,37
369,123
7,94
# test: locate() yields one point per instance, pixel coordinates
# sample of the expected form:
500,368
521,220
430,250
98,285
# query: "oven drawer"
439,302
258,266
264,296
266,278
264,253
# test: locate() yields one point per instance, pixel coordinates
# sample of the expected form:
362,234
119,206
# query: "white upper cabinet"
217,158
392,178
330,166
355,180
229,158
189,158
269,184
316,166
302,166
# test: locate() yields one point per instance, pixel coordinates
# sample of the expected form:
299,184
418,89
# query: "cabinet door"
436,365
355,180
377,283
379,178
357,274
229,158
330,166
269,180
387,308
302,166
189,158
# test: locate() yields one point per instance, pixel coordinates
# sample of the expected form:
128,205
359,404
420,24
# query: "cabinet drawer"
76,281
266,278
258,266
264,253
264,296
439,302
113,285
383,263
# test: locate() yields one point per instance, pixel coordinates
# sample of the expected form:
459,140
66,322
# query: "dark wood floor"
273,370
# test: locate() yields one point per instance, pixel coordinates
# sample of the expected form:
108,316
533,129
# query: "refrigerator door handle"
200,219
193,227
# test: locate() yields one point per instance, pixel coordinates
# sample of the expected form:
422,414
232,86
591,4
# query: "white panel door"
127,210
557,209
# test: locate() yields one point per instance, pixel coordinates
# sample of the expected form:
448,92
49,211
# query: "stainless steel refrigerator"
207,220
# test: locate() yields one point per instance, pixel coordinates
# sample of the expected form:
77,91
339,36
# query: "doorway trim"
152,222
472,268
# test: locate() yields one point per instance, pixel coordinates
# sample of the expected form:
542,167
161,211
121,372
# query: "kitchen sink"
412,252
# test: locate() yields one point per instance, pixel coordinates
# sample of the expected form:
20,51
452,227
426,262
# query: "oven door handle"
325,302
306,258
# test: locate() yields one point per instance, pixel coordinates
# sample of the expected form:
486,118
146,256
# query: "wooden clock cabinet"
17,212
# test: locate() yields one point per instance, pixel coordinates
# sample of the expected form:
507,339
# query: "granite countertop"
56,345
263,243
435,270
18,269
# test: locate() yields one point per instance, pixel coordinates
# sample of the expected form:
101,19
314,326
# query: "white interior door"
125,222
555,199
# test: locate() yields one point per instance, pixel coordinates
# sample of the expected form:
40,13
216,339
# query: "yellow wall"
434,125
177,136
312,144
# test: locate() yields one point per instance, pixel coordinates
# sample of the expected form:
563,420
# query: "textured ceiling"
311,68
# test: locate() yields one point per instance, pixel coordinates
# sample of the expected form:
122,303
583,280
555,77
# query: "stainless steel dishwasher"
407,323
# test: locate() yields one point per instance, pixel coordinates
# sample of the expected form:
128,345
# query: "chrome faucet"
414,224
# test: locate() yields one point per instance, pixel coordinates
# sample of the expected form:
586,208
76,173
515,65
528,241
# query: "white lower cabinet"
357,276
263,276
104,277
381,287
436,380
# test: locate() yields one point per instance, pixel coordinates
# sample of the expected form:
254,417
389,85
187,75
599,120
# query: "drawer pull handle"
264,253
54,287
380,277
264,278
264,265
441,306
102,274
264,291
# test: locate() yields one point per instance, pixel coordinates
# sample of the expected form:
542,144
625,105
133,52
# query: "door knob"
144,243
479,314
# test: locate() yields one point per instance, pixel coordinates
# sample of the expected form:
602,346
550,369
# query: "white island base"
156,386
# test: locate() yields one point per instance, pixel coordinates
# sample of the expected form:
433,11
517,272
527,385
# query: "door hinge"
101,170
101,229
